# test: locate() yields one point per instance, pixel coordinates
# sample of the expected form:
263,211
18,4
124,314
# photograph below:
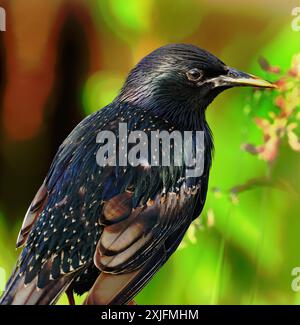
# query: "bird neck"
185,115
184,118
181,117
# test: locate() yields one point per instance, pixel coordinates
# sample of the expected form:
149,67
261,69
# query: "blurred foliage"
283,116
245,244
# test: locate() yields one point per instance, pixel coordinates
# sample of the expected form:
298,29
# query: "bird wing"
32,214
135,243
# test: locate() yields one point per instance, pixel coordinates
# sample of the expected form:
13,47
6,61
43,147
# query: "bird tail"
19,293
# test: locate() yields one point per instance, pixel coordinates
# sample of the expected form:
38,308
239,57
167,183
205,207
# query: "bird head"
182,77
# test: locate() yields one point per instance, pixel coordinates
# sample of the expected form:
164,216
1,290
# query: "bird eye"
194,74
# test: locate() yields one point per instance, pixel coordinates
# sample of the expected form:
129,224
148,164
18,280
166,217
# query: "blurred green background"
61,60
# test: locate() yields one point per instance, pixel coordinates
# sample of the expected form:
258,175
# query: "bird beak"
235,78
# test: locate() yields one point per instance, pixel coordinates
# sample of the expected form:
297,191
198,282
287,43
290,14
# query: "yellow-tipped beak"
239,78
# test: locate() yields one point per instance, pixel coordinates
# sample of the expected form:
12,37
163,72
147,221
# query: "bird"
106,230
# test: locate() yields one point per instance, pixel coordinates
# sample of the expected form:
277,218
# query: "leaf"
265,65
270,150
293,139
295,68
251,148
261,122
280,102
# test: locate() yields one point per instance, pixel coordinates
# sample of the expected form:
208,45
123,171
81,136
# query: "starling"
108,229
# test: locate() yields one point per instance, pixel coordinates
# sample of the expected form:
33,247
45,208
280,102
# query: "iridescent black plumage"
88,219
